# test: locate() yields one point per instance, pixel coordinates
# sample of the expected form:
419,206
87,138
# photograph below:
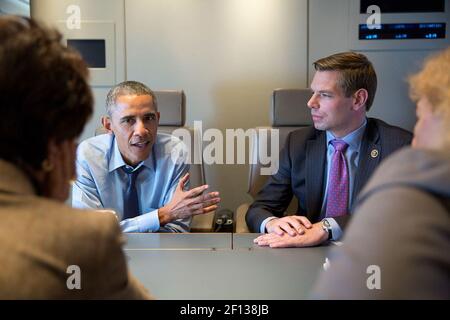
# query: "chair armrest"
203,222
241,225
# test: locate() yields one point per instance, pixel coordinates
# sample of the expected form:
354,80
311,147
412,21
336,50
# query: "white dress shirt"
101,182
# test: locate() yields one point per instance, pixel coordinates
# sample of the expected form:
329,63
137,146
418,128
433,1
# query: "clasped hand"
292,231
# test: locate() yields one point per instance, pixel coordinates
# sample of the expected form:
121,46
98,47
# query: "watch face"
326,223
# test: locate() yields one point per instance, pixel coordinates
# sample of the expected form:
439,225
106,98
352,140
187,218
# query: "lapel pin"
374,153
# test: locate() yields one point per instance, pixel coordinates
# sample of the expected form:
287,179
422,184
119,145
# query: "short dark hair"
356,72
44,90
128,88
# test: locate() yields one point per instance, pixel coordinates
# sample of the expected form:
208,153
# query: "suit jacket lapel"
315,166
369,158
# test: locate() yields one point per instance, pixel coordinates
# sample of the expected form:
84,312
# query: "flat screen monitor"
92,51
402,31
404,6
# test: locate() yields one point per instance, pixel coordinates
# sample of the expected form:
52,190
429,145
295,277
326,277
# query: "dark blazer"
302,168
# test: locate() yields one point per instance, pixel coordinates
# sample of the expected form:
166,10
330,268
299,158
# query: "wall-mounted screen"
401,31
92,51
404,6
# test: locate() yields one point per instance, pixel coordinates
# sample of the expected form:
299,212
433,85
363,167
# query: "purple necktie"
337,195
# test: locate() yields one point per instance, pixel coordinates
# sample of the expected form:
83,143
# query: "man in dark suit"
326,166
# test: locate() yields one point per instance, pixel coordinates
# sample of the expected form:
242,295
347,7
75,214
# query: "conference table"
221,266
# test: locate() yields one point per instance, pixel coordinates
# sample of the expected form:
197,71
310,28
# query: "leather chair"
289,112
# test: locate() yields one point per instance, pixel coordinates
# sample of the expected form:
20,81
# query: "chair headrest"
289,107
172,106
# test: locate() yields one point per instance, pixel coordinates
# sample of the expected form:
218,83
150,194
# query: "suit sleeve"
275,196
113,278
400,231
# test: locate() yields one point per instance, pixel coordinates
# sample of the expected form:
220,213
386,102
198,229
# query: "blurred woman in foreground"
47,249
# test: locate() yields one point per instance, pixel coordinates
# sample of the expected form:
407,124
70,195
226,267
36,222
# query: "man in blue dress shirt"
326,165
137,172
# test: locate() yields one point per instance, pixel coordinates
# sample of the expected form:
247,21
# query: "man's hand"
311,237
185,204
292,225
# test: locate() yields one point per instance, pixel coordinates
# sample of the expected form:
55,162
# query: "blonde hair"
433,83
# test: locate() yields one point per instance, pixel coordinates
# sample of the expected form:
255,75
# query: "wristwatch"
327,227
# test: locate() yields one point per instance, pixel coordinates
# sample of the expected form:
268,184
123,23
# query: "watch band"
327,227
330,234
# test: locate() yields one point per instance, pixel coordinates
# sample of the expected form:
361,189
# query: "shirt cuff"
336,230
262,229
147,222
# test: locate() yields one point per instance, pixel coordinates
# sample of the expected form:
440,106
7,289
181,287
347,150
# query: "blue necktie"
130,200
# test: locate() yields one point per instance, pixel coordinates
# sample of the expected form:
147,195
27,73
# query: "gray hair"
128,88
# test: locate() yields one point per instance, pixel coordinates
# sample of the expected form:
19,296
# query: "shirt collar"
116,160
353,139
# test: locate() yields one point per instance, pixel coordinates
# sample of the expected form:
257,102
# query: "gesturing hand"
185,204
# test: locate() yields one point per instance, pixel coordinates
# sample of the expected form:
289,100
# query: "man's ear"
360,99
106,122
52,150
51,158
158,116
